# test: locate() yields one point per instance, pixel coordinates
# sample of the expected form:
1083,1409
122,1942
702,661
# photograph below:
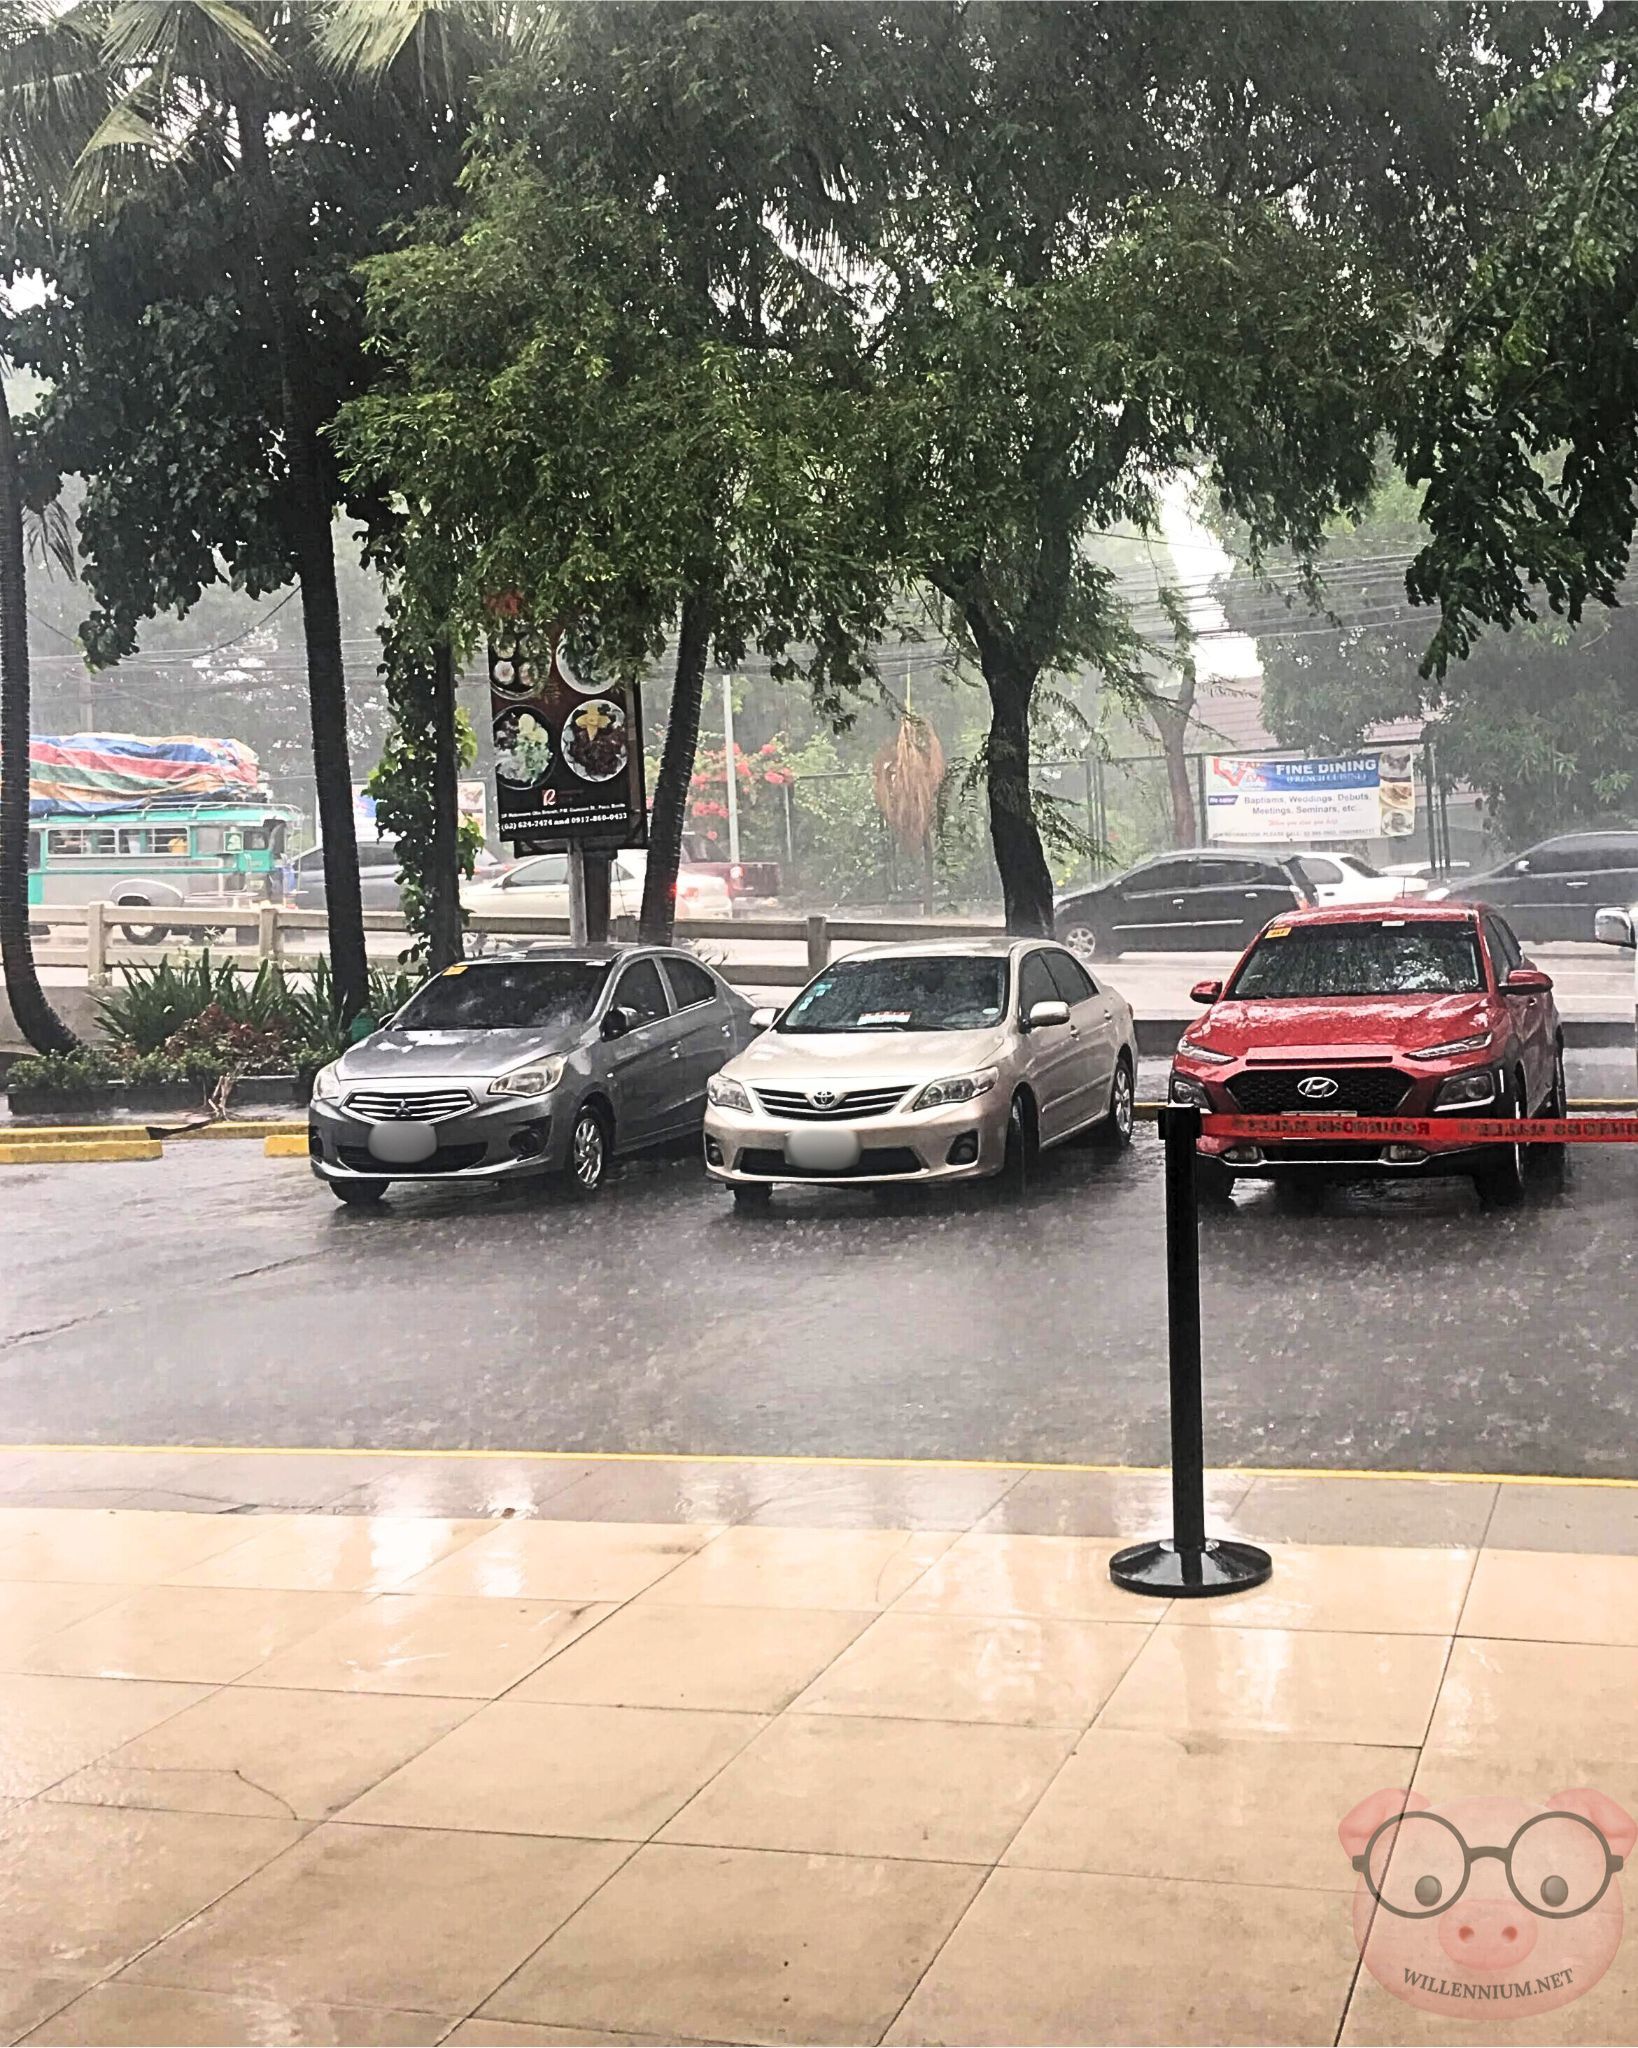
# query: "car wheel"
1018,1161
1213,1182
1549,1153
144,934
1499,1176
358,1194
752,1196
1114,1131
588,1152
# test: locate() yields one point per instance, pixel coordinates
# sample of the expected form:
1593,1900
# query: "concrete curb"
62,1151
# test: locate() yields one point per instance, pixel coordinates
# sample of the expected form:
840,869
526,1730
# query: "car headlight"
722,1093
1452,1047
1188,1093
1466,1091
539,1079
1203,1052
327,1082
956,1088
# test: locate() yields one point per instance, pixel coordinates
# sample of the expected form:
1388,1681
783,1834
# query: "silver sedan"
925,1063
545,1060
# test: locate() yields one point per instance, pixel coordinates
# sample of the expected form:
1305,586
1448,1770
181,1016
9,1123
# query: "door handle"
1177,902
1577,885
676,1052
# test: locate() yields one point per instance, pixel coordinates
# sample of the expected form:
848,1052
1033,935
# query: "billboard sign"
568,744
1315,802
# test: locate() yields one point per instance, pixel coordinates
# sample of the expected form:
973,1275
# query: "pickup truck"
742,878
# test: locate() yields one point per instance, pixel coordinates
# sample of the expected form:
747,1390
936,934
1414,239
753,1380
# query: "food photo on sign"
568,742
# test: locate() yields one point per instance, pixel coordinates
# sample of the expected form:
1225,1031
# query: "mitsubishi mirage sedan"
1375,1012
937,1062
542,1061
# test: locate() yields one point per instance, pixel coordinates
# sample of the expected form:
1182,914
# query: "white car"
1345,878
539,887
1617,925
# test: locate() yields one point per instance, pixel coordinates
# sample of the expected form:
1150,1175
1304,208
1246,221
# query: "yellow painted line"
285,1144
63,1151
29,1134
804,1458
262,1127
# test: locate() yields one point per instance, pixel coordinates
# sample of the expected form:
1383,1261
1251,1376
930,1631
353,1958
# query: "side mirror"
1044,1015
1520,867
1615,928
618,1022
766,1018
1205,992
1528,981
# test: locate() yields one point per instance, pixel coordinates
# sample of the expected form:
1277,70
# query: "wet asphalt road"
219,1297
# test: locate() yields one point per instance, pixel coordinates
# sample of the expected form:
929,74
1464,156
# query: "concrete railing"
274,925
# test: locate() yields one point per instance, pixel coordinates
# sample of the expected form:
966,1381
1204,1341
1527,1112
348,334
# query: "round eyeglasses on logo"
1485,1907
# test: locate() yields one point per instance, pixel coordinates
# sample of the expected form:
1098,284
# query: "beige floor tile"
805,1568
1608,2012
30,1610
945,1791
520,2034
409,1919
1064,1578
156,2016
1536,1596
27,1999
752,1660
536,1769
1525,1774
331,1553
304,1755
1603,1519
51,1726
1308,1683
1262,1811
1578,1699
743,1945
420,1643
1381,1589
115,1546
1424,1513
208,1635
85,1889
1046,1956
1123,1505
959,1667
546,1560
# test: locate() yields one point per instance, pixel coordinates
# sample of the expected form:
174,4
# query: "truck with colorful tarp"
151,823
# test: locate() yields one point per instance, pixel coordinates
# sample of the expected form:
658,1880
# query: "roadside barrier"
1189,1564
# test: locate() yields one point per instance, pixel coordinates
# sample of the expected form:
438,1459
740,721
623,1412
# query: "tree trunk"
682,738
1026,880
36,1019
311,505
599,884
443,879
1171,722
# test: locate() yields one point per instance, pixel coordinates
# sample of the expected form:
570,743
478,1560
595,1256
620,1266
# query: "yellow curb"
56,1152
264,1127
285,1145
53,1134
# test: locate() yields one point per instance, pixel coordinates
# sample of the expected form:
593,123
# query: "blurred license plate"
402,1144
822,1151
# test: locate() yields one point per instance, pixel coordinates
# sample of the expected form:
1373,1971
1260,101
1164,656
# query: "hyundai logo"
1316,1088
823,1098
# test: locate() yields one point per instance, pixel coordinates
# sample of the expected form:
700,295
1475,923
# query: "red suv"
1375,1010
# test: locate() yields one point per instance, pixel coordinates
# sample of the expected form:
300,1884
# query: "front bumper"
1391,1157
504,1139
750,1148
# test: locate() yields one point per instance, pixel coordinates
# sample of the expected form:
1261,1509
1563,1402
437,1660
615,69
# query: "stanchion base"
1172,1574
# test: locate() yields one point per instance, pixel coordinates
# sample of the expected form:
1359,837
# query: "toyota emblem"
823,1098
1317,1088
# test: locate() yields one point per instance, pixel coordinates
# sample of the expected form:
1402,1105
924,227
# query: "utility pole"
731,767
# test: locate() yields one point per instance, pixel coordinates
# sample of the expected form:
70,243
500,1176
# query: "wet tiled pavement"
514,1750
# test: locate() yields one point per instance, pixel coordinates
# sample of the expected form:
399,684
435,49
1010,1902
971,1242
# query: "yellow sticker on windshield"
1278,931
458,968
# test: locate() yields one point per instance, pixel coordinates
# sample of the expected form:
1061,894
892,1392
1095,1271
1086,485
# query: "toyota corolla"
925,1063
1375,1012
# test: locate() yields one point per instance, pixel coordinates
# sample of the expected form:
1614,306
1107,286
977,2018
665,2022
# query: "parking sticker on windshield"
1278,931
458,968
883,1017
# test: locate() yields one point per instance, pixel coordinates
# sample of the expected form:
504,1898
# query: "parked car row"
899,1065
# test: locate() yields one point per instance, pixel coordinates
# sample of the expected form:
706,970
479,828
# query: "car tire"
1213,1182
1088,940
359,1194
752,1197
1557,1104
1113,1131
1499,1177
588,1161
143,934
1018,1161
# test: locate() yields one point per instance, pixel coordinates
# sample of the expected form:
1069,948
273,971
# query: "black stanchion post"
1188,1564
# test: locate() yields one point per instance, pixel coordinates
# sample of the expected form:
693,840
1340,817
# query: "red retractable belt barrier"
1464,1130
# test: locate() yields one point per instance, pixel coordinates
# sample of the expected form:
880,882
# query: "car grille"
391,1105
1360,1091
850,1102
447,1159
881,1159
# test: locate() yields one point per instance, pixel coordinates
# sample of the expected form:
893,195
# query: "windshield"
944,993
506,995
1359,866
1394,958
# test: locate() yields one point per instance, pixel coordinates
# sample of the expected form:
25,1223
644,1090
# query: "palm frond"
189,36
48,535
